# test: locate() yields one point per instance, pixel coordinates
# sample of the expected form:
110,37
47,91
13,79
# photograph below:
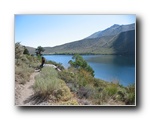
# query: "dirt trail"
27,91
24,94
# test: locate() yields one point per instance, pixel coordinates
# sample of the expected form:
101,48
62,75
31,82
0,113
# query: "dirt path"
24,94
27,91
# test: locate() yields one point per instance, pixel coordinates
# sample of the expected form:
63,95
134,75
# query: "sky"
52,30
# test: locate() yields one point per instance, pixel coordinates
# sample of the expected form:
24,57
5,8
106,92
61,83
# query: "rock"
53,66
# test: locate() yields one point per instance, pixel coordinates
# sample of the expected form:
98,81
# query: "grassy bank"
99,92
78,81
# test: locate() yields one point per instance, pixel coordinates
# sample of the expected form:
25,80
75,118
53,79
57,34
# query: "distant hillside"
118,39
113,30
31,50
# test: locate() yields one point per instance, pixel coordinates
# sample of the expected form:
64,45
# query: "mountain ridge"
110,30
117,39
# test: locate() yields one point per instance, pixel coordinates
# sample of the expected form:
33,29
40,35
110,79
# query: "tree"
18,50
80,63
39,50
26,51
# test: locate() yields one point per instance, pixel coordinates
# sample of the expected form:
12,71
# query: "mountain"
117,39
113,30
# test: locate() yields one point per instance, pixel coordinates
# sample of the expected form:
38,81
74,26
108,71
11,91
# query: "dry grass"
22,73
48,84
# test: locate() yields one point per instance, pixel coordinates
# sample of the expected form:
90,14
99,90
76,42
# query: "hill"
113,30
118,39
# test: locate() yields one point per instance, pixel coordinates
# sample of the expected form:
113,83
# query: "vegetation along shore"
55,85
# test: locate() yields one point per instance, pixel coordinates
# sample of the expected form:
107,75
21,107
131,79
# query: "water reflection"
106,67
113,68
112,59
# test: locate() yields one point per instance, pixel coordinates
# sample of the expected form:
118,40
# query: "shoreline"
90,54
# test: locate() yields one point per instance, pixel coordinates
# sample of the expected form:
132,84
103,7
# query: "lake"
107,67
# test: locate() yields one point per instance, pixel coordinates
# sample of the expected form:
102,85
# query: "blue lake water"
106,67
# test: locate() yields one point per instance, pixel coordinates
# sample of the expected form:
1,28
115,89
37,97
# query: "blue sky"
53,30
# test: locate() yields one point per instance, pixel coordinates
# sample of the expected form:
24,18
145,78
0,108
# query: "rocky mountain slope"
117,39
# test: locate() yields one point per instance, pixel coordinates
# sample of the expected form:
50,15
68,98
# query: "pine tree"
39,50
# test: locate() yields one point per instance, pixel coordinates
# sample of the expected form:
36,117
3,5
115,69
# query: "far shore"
84,54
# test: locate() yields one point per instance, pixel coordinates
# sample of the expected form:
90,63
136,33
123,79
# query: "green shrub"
100,98
80,63
67,76
63,92
103,95
70,102
99,83
130,99
111,89
47,81
48,84
85,77
121,94
79,77
130,95
85,92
